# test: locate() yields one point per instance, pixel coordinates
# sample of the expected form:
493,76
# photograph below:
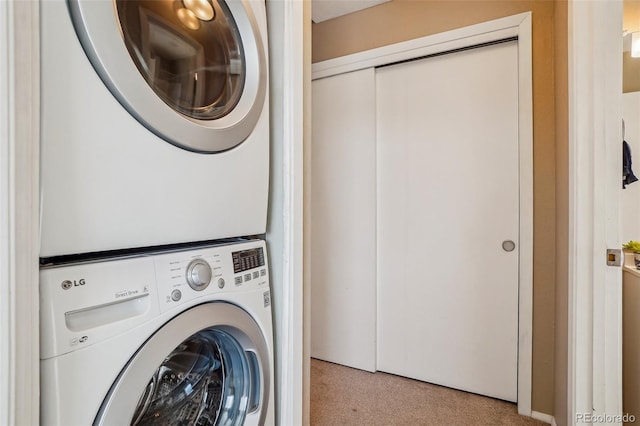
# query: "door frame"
19,207
499,29
595,169
288,36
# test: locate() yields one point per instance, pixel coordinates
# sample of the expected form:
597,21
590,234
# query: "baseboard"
547,418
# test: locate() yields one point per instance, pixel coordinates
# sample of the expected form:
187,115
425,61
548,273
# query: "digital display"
247,259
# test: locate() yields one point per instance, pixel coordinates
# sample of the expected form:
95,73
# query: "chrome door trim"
121,401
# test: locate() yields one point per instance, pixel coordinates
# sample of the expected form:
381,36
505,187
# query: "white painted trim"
19,150
284,228
580,268
7,408
292,391
517,25
547,418
462,37
595,135
525,136
306,381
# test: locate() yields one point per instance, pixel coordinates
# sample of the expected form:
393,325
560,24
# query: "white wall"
631,194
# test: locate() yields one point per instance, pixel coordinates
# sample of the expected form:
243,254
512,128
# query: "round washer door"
193,72
207,366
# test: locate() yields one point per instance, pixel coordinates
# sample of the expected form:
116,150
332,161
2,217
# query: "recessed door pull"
508,245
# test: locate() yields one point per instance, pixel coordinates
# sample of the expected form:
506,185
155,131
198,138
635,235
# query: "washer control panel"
185,276
198,274
85,303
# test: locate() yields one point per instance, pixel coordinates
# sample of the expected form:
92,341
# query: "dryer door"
194,72
207,366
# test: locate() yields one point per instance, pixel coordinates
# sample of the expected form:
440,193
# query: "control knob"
198,274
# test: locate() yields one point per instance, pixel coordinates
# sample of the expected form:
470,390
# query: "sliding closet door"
342,220
447,202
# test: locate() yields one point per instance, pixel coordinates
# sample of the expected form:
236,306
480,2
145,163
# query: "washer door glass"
189,52
193,72
209,365
206,380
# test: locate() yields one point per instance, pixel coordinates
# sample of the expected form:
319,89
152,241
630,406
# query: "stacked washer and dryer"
154,282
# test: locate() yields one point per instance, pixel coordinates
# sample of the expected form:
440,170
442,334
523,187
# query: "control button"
256,274
198,274
238,280
263,272
247,277
176,295
221,283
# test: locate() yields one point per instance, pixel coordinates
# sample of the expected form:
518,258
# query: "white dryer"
154,123
182,337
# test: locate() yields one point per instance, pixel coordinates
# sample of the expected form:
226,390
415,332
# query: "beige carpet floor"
345,396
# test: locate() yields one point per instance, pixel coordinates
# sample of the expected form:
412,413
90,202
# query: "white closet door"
343,224
447,200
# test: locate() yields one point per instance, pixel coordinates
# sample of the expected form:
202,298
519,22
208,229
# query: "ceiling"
322,10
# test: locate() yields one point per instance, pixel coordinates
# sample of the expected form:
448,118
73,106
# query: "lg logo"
67,284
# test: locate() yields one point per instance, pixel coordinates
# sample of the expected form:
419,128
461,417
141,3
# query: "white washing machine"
173,338
154,123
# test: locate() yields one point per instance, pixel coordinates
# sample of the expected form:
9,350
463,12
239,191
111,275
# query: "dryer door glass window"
206,380
188,51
